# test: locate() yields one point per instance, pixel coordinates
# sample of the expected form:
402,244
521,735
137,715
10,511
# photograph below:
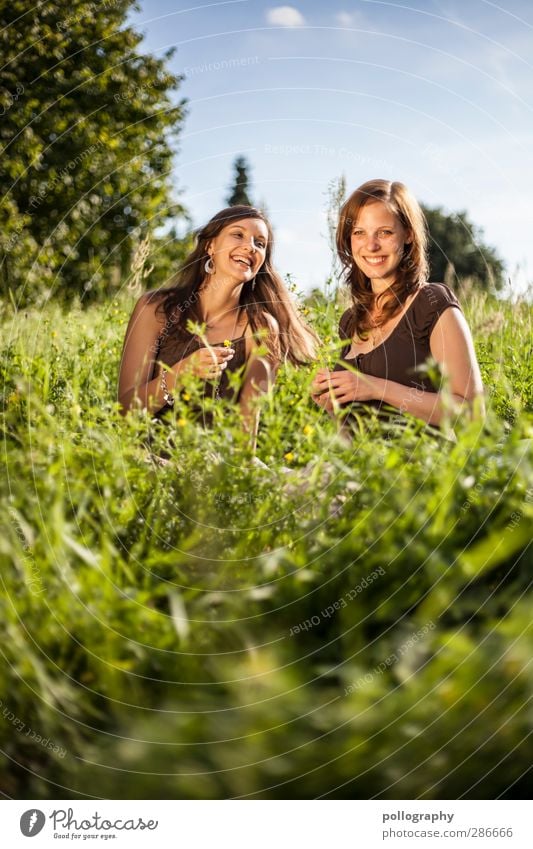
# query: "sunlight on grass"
351,621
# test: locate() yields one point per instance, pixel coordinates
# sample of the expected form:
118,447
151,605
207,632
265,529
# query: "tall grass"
209,629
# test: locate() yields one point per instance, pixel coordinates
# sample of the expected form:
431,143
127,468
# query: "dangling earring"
209,266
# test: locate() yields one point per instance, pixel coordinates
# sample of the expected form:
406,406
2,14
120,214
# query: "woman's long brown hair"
263,298
413,269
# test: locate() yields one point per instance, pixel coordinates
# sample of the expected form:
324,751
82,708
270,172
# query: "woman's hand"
339,387
320,390
206,363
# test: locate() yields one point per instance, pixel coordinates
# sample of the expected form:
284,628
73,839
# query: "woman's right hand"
207,363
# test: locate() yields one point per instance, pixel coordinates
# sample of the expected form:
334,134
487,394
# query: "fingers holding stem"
332,388
215,360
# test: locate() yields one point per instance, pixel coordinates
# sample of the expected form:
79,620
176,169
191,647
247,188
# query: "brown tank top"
402,355
172,349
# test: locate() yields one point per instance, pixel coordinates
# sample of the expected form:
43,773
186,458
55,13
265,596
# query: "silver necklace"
375,332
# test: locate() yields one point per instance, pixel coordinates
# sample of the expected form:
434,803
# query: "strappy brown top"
406,349
172,349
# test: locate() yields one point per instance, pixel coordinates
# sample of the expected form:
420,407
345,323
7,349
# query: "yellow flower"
308,430
289,456
227,343
185,396
181,422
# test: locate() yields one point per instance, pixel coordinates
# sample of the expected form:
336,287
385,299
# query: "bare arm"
258,380
138,357
453,349
136,386
451,346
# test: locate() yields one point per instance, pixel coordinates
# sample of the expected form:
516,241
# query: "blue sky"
436,94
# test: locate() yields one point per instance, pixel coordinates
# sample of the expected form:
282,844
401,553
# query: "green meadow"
352,621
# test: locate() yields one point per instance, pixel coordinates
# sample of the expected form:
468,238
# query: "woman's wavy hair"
413,269
264,298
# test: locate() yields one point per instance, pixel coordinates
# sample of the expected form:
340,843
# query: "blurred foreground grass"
208,629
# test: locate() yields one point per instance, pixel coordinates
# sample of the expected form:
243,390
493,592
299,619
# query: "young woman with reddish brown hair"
397,320
228,284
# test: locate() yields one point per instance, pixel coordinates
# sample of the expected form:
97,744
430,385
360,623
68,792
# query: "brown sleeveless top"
172,349
401,356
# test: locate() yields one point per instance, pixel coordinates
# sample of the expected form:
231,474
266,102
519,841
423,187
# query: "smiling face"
239,250
377,243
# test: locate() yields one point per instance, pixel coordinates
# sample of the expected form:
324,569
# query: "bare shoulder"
450,322
255,340
268,323
451,339
149,310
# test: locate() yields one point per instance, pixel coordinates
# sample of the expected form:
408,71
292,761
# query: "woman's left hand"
342,386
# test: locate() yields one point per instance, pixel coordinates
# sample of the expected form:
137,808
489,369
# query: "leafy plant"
351,621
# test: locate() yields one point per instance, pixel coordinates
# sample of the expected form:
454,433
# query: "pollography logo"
32,822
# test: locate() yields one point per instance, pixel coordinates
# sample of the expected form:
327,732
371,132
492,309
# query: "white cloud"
285,16
344,19
348,19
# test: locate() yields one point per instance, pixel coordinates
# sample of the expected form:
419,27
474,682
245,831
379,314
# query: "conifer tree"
239,192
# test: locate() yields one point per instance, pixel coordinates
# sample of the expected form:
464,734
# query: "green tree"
239,191
457,250
86,145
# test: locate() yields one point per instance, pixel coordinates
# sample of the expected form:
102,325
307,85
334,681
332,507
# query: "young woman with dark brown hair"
229,284
397,320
